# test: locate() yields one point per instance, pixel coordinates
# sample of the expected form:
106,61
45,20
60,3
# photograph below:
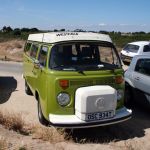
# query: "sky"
110,15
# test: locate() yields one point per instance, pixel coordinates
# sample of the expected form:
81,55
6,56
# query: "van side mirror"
36,64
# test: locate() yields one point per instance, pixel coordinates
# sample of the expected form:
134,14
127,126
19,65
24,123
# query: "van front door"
40,74
31,60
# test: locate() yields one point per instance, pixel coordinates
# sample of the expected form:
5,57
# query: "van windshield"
84,56
131,48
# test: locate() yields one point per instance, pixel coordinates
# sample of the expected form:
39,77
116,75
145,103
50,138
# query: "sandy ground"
133,134
16,99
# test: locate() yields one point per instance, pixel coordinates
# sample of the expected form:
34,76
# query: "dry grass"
133,146
18,45
53,135
16,123
13,122
22,148
3,144
49,134
12,50
129,145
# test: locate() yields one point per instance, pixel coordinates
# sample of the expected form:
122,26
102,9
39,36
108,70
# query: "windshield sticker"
74,58
65,34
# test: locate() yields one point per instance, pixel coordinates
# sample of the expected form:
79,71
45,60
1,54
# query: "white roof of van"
55,37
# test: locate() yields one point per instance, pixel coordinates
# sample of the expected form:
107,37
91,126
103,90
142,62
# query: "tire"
128,100
27,89
41,117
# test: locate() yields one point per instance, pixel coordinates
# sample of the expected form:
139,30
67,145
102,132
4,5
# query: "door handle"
34,72
137,78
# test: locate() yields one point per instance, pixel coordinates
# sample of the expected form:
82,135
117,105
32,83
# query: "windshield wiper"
55,67
109,67
79,69
64,67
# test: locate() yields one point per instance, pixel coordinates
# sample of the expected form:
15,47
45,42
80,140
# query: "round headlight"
63,99
120,94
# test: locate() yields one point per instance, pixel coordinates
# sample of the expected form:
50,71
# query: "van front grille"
78,83
91,82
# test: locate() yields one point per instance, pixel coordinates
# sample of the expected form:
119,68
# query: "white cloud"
102,24
21,9
124,24
143,25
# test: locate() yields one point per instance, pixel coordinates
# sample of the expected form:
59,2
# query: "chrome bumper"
72,121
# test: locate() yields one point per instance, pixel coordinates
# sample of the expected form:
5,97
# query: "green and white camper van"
77,79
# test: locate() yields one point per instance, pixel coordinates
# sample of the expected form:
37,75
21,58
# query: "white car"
137,79
135,48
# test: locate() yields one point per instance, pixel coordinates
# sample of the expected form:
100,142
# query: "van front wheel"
27,89
41,117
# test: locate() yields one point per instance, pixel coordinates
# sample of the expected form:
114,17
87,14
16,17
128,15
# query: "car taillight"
64,84
119,79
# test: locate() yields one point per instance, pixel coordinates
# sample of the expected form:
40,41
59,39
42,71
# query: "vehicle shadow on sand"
132,128
7,86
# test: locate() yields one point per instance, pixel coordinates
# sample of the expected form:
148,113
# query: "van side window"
43,55
27,48
34,50
143,66
146,48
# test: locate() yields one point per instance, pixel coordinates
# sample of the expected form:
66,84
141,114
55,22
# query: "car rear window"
131,48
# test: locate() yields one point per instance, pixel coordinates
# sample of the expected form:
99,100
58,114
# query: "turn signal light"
119,80
64,84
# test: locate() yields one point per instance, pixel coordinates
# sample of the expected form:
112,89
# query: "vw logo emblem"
99,103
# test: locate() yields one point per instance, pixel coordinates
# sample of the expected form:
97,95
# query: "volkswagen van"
76,78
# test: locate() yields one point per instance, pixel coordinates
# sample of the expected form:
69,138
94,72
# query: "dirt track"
133,134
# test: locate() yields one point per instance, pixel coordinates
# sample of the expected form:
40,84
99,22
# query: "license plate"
99,115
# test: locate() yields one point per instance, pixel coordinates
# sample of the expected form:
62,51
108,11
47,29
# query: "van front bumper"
72,121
